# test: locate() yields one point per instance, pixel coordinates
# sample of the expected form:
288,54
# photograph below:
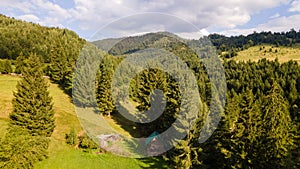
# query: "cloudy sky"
185,17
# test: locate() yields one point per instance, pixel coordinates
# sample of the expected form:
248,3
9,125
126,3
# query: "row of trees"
233,44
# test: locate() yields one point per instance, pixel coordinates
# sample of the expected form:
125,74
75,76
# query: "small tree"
20,63
71,138
86,143
5,66
19,149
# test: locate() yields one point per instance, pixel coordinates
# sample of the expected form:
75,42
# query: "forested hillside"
259,128
231,45
260,125
59,48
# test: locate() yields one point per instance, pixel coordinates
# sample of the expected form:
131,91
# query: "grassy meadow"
62,155
269,52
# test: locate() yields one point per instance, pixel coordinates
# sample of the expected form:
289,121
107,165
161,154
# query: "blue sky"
188,18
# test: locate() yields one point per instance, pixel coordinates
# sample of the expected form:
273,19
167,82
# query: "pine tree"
104,95
60,68
277,137
245,133
84,82
236,138
20,63
63,55
32,105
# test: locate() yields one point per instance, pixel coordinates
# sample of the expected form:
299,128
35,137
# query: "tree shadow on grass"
126,124
154,162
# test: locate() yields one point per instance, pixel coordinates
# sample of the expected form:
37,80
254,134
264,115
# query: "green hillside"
62,155
269,52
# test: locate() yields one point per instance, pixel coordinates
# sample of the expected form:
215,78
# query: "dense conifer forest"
259,128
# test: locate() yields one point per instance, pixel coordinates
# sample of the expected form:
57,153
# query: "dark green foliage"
241,42
246,136
188,152
84,90
32,105
259,128
240,130
5,66
277,132
22,37
20,63
104,81
19,149
86,143
71,138
59,47
31,121
62,56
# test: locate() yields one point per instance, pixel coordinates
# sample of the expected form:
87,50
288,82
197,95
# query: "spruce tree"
277,139
32,105
20,63
84,82
105,75
245,132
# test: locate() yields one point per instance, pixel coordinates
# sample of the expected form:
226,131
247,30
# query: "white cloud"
193,35
275,25
275,16
91,15
16,4
295,6
29,18
42,11
209,14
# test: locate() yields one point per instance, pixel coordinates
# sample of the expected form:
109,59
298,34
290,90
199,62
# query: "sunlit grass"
62,155
269,52
7,86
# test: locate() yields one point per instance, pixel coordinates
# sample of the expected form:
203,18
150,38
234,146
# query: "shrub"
86,143
71,138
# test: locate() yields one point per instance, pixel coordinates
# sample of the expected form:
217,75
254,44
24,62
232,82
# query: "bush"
71,138
19,149
5,67
86,143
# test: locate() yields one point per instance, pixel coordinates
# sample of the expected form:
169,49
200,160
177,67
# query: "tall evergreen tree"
31,121
84,82
277,137
105,75
32,105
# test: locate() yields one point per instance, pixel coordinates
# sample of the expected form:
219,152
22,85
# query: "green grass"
256,53
3,126
7,86
62,155
76,159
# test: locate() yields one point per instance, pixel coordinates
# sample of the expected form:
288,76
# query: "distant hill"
234,44
223,43
127,45
106,44
132,43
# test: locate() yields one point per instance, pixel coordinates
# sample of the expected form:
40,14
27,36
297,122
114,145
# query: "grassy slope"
60,154
283,54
